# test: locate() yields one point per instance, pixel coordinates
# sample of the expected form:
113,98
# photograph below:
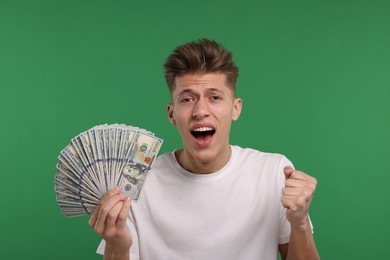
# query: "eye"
186,100
215,98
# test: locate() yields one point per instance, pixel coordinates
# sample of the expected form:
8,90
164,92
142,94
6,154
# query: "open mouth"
203,133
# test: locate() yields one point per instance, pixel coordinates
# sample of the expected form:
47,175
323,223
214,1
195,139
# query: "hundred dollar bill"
140,158
64,186
80,180
79,156
113,152
125,146
90,160
106,157
101,158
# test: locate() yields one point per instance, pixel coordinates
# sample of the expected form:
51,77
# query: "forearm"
110,254
301,245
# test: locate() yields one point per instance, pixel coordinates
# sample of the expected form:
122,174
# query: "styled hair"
202,56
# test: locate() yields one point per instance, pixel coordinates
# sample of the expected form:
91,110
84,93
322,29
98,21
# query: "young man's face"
202,108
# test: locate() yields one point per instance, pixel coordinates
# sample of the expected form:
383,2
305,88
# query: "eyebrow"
191,91
184,91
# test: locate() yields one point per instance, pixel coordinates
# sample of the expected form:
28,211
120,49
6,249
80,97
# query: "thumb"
288,170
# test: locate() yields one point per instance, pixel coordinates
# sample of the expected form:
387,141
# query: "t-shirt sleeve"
134,250
284,226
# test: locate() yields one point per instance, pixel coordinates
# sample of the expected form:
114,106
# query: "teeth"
203,129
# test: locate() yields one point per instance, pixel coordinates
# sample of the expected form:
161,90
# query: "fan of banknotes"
104,157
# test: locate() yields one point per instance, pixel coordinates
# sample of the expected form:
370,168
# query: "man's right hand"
109,221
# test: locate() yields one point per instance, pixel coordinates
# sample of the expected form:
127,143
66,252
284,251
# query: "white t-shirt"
235,213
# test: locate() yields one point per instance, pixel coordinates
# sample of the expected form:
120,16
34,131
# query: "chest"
182,213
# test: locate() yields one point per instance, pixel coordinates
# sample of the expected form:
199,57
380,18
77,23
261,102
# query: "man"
209,200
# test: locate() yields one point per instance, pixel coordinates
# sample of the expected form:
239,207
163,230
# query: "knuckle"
112,215
284,202
99,231
301,201
313,188
111,191
101,203
91,222
104,210
122,217
307,194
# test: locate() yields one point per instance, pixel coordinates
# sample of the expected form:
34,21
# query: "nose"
201,109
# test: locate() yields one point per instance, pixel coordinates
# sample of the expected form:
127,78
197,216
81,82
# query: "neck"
198,166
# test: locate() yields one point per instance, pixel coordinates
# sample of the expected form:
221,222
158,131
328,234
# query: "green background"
315,83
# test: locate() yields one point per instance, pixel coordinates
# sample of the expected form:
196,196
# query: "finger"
291,192
105,197
299,175
288,202
104,211
306,194
112,217
110,193
297,183
294,202
299,196
288,170
121,222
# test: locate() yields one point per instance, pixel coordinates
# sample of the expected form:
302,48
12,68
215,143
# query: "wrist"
112,252
302,225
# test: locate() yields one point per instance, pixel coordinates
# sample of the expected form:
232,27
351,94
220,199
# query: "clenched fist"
297,195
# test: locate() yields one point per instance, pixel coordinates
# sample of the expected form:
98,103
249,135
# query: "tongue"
203,137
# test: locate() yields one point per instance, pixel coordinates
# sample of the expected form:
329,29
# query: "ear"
170,114
237,107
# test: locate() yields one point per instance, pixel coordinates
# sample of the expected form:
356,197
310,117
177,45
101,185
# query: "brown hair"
202,56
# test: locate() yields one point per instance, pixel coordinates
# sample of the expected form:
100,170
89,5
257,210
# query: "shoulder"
164,160
249,154
258,161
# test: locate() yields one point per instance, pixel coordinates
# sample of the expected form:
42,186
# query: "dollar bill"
99,159
140,158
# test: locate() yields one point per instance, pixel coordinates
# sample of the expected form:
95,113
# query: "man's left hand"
297,195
